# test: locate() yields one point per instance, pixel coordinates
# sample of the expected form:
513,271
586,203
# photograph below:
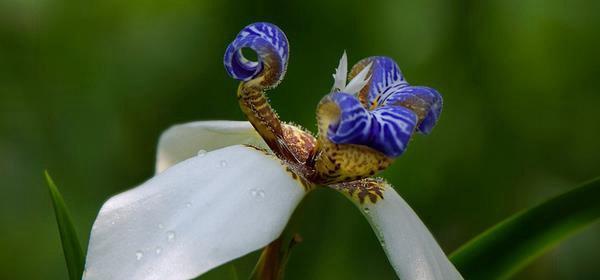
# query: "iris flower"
223,189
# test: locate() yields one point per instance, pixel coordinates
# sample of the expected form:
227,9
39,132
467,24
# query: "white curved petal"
410,247
192,217
183,141
359,81
341,72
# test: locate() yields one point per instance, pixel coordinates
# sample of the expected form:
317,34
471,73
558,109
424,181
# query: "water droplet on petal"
188,205
257,193
223,163
139,255
170,236
112,222
158,250
161,226
201,153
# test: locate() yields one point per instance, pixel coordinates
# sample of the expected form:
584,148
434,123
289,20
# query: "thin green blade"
510,245
70,243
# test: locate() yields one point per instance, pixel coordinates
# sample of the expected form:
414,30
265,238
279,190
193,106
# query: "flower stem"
274,257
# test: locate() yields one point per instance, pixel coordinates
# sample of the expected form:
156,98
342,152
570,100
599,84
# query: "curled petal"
354,121
385,74
424,101
271,47
408,244
194,216
386,129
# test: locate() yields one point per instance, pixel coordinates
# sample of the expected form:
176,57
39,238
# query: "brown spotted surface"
368,190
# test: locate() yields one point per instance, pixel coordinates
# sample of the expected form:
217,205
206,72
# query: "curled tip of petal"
272,49
430,120
424,101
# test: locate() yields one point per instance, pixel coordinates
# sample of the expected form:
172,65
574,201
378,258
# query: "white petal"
192,217
410,247
183,141
340,75
359,81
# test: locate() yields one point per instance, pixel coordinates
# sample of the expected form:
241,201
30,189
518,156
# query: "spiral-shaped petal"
271,47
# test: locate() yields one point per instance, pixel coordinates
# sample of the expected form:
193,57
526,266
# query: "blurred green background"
86,87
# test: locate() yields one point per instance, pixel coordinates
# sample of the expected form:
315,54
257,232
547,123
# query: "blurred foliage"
512,244
86,87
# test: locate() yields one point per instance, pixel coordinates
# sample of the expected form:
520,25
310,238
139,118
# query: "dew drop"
170,236
161,226
223,163
158,250
367,210
257,193
112,222
188,205
201,153
139,255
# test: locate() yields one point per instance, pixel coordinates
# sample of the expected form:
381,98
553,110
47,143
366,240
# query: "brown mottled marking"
371,188
300,142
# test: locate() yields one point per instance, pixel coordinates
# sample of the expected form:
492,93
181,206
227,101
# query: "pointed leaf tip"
68,236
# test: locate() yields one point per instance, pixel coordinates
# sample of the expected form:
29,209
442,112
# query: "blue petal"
427,102
271,47
385,77
354,125
386,129
394,125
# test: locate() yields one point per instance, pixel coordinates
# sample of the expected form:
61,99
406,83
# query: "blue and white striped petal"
271,46
386,129
385,77
354,124
424,101
392,129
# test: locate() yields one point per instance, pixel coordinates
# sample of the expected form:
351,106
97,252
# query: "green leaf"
509,246
70,243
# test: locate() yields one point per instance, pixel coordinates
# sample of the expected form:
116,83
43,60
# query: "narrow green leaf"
507,247
68,236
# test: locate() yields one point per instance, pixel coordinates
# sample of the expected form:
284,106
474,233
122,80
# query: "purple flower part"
386,129
269,43
386,77
425,101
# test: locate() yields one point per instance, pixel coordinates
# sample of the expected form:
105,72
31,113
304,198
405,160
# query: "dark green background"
86,87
